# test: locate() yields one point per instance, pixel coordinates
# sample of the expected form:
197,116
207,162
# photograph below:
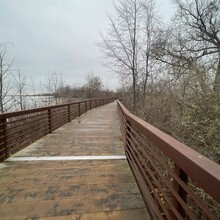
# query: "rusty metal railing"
176,182
21,128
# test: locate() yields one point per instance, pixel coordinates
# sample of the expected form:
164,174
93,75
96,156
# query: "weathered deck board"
91,189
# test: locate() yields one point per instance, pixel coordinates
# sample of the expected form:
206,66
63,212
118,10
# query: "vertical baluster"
68,110
79,109
183,176
90,104
85,106
3,140
49,121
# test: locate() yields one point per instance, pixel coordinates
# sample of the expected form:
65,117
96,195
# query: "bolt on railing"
21,128
176,182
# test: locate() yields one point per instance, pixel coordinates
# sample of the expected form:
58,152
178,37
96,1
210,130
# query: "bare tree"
120,45
127,46
150,26
5,77
196,39
191,49
20,83
32,87
93,86
65,92
53,82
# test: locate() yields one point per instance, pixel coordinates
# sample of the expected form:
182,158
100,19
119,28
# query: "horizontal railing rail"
21,128
176,182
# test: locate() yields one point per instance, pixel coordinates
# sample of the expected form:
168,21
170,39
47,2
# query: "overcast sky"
59,36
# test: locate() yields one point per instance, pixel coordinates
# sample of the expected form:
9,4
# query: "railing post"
49,121
69,113
123,126
79,109
85,106
181,192
3,142
90,104
127,134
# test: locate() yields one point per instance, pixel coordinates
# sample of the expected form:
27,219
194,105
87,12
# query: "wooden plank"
48,208
130,214
64,171
71,191
20,182
133,214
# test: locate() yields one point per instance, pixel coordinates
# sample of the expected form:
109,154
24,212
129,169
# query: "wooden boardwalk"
51,182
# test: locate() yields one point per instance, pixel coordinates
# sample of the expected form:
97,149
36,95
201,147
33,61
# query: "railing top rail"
29,111
201,169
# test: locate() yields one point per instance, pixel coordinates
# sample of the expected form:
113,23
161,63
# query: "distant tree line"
93,88
18,92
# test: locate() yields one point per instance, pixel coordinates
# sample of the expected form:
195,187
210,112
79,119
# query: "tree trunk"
146,75
134,66
134,92
216,86
21,100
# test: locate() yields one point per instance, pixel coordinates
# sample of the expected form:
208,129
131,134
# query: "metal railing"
21,128
176,182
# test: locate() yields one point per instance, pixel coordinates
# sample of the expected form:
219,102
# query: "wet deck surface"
73,189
